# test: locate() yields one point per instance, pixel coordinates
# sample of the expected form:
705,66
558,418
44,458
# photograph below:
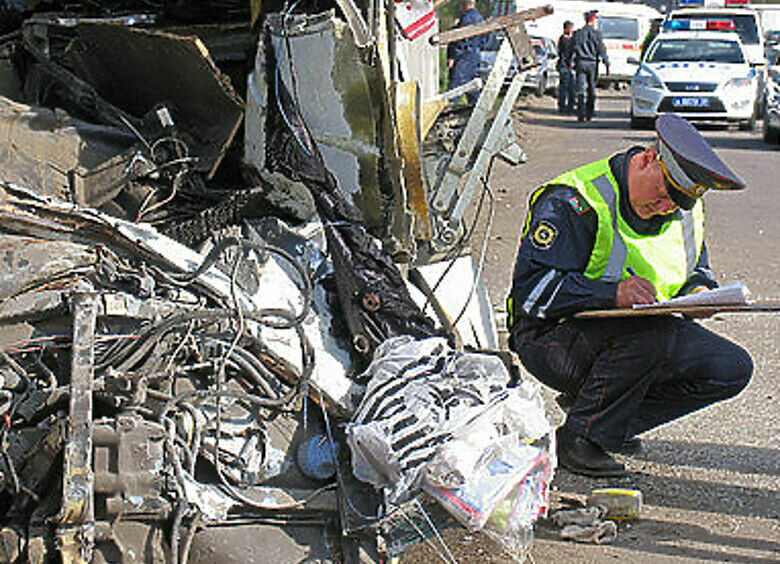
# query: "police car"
700,75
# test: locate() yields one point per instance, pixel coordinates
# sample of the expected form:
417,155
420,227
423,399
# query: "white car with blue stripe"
700,75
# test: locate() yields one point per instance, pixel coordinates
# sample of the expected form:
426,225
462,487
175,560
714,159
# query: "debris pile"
205,336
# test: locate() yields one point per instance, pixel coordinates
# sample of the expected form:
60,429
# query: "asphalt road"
711,481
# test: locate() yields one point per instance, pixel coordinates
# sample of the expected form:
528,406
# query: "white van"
623,27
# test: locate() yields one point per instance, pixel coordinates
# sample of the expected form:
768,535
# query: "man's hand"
450,63
634,291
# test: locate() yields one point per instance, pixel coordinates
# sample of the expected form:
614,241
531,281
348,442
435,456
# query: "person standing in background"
463,56
566,69
588,50
655,28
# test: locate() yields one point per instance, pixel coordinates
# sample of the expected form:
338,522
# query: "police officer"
588,50
463,56
565,69
625,230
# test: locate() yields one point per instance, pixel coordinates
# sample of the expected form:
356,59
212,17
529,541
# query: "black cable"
229,242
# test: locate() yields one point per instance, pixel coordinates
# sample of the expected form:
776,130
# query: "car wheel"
542,86
748,124
771,135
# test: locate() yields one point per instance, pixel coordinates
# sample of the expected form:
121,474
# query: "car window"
696,50
745,24
613,27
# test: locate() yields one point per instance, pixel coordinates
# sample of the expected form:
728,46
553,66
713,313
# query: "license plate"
684,102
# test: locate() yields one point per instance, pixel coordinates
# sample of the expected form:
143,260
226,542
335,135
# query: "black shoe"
581,456
631,446
580,118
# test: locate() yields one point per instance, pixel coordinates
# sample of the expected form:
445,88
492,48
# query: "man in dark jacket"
655,28
463,56
566,69
588,50
622,231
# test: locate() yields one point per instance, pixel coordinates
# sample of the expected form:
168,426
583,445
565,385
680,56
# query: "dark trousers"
566,91
587,74
632,374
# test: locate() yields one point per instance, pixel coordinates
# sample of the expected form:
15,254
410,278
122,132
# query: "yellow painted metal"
407,111
430,111
254,7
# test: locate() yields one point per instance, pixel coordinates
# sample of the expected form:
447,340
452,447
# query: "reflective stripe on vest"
617,256
667,259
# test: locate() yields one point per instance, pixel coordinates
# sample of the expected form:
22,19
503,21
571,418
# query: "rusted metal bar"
76,520
493,24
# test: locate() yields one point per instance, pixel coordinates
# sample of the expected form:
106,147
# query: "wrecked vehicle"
215,238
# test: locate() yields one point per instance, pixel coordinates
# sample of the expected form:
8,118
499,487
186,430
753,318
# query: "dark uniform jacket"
556,265
589,47
565,52
470,47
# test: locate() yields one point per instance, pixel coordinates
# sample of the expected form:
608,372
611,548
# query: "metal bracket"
76,519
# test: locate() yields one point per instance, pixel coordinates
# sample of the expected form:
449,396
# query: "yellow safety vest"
666,259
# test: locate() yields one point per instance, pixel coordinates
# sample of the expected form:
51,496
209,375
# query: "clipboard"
694,310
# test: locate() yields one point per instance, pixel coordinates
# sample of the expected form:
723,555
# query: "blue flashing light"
677,25
691,2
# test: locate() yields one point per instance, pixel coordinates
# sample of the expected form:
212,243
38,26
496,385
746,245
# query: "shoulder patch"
579,205
544,235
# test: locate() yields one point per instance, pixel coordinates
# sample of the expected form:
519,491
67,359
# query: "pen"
631,271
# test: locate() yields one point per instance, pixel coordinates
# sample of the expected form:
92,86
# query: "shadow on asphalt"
732,458
654,537
683,493
750,143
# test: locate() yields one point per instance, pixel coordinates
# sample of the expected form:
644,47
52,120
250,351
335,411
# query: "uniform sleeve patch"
544,235
579,206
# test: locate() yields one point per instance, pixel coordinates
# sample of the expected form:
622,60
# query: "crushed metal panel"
60,156
408,117
26,262
338,96
138,70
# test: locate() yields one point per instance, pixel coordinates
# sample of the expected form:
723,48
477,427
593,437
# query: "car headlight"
740,82
646,81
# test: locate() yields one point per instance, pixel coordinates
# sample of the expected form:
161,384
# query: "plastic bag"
508,486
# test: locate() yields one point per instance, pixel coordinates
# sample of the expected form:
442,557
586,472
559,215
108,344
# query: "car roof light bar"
699,25
721,25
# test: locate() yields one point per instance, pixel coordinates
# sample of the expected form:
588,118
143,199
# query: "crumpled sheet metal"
27,262
276,286
138,70
337,96
61,156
